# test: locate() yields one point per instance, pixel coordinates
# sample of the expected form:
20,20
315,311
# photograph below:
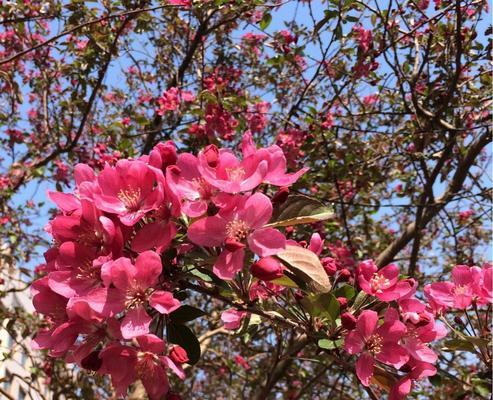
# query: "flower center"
375,344
237,230
205,190
235,174
135,297
461,290
130,197
379,282
145,364
86,271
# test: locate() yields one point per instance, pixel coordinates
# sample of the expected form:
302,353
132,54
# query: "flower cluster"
402,339
105,289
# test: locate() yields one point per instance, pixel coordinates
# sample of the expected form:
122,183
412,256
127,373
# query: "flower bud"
211,154
330,265
178,355
342,302
92,362
348,320
344,275
267,269
281,196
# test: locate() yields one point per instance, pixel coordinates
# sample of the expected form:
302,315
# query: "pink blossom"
384,283
133,289
244,223
223,170
125,364
275,159
462,291
232,318
375,343
129,190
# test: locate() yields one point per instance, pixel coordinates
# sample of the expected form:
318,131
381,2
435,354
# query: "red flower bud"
348,320
344,275
211,154
92,362
267,269
281,196
330,265
342,302
233,245
178,355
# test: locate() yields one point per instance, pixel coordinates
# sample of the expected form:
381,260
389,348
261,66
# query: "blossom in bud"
330,265
344,275
348,320
211,155
178,355
342,302
281,196
92,362
267,269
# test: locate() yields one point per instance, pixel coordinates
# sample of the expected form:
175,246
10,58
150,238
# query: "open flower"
133,291
125,364
384,283
244,223
460,293
129,190
375,343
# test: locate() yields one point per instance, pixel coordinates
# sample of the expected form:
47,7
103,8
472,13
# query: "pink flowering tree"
247,199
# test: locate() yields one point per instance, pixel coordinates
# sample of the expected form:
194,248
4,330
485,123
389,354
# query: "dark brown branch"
453,188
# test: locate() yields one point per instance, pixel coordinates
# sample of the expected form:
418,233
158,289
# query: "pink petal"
353,343
401,389
364,368
367,323
266,242
208,231
393,354
232,318
228,264
135,323
149,267
151,343
390,272
257,210
441,293
164,302
461,275
66,202
155,382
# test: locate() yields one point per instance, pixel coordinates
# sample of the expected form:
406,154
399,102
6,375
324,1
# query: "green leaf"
265,22
185,313
285,281
306,266
323,305
299,209
330,344
458,344
183,336
346,291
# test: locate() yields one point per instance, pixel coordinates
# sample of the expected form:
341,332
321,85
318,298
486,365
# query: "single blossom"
133,290
125,364
462,291
129,190
384,283
375,342
232,228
